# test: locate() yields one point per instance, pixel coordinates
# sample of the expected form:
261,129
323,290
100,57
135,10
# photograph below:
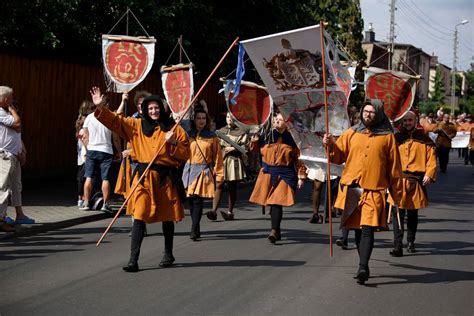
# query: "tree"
71,29
438,94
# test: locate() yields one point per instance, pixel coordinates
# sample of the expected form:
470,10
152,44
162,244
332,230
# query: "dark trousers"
443,156
465,155
398,230
138,232
196,207
365,244
277,216
345,235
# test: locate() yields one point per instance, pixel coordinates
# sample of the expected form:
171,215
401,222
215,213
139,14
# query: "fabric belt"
164,172
287,173
418,176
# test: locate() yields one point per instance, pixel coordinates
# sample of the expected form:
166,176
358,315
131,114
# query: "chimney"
370,34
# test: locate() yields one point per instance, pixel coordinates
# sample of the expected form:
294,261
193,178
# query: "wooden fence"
49,93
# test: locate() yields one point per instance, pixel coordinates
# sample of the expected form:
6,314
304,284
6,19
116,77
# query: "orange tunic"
122,185
205,151
152,201
276,154
418,157
446,132
373,163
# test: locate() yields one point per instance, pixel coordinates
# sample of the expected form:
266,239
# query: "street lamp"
453,75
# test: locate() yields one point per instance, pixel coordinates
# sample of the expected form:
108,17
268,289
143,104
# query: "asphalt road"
235,271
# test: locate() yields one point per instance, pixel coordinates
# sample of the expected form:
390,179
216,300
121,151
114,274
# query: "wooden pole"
328,175
163,144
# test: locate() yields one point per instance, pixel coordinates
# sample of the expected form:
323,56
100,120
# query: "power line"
428,34
414,19
428,17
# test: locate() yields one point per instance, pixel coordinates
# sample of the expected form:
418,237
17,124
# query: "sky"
426,24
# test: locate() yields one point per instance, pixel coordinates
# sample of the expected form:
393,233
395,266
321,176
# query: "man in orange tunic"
446,132
372,166
418,159
157,197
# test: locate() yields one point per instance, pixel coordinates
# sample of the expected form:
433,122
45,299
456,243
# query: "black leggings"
277,216
365,244
138,232
412,225
196,207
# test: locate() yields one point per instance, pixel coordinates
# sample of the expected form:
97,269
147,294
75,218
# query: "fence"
49,93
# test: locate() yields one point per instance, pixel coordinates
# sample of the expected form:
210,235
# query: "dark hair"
200,109
140,94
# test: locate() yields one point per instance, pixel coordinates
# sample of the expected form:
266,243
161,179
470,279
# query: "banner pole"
326,111
163,144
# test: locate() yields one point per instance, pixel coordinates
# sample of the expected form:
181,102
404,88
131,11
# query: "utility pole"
391,48
453,74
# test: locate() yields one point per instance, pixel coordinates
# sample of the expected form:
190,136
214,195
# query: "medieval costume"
234,167
158,196
278,178
418,159
372,165
446,131
203,170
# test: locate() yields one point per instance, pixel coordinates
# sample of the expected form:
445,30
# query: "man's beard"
368,122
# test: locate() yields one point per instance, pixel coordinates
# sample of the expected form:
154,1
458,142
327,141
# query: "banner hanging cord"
172,52
126,14
225,78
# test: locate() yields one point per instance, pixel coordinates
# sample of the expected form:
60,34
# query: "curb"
42,228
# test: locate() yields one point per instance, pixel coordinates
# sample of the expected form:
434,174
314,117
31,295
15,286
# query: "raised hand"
97,97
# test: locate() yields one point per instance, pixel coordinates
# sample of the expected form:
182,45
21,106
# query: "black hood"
164,121
381,124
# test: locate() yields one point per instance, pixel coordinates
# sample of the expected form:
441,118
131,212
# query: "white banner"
290,65
461,140
127,60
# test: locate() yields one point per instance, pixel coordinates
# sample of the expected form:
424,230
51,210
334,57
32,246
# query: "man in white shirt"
98,141
10,148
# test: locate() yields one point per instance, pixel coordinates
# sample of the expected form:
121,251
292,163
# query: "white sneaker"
80,203
84,206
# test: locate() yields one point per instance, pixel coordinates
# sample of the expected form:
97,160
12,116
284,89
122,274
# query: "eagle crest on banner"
296,69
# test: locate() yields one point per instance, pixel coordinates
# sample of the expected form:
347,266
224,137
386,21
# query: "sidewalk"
52,206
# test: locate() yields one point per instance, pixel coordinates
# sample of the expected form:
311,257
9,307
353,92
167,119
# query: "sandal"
211,215
227,216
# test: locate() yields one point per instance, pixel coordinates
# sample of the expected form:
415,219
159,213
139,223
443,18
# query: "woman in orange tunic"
204,168
280,175
157,197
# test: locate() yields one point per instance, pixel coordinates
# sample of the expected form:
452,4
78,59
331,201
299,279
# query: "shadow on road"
237,263
431,275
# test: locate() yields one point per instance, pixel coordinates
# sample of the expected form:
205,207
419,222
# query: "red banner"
397,93
253,104
178,86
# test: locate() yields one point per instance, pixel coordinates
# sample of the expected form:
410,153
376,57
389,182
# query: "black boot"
138,232
397,252
168,232
362,275
196,214
411,247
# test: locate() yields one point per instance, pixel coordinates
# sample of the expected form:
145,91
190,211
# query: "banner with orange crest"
127,60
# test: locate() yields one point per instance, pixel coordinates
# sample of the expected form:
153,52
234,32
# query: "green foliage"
437,96
72,29
466,104
428,107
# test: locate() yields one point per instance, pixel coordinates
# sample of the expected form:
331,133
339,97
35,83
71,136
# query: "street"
234,270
